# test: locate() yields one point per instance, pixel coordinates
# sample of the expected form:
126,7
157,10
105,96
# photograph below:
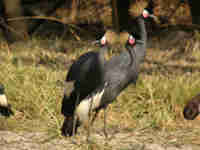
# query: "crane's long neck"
140,48
143,33
137,52
133,58
102,55
102,58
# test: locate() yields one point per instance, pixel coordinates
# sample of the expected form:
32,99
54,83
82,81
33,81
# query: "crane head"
100,42
147,13
103,41
109,38
131,40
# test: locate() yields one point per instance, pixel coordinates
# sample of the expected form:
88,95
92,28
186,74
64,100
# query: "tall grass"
34,75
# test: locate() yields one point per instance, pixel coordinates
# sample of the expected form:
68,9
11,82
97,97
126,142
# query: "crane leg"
89,120
104,129
74,115
95,116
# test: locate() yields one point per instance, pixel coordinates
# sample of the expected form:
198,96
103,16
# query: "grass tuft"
34,73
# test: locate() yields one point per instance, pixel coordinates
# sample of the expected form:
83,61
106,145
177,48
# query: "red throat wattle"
132,41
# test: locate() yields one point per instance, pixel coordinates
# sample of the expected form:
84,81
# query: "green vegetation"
34,73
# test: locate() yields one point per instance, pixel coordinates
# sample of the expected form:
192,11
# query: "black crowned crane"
115,75
85,74
192,108
5,108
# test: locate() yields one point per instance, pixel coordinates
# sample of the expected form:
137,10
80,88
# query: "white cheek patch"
103,40
3,100
90,102
145,13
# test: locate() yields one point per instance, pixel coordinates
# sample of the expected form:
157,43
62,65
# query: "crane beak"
97,42
154,17
140,41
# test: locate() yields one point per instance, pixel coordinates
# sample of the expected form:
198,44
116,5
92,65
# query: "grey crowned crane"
5,108
192,108
116,74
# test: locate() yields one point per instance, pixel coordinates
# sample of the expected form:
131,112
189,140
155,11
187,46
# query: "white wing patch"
3,100
87,104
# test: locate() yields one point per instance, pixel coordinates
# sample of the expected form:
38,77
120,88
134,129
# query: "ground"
137,140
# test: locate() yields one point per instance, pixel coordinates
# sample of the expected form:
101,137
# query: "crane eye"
131,40
103,40
145,13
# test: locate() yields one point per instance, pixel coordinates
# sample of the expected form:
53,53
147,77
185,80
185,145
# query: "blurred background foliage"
97,14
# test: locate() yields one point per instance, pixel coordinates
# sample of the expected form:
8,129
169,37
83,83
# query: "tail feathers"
6,111
67,128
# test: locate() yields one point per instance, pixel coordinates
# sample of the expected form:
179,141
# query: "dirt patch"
38,140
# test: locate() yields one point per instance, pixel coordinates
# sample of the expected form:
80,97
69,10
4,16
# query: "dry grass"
34,73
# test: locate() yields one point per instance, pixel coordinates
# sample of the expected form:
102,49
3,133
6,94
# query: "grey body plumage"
118,72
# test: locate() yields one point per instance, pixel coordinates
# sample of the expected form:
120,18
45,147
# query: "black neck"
142,32
132,54
102,60
102,52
